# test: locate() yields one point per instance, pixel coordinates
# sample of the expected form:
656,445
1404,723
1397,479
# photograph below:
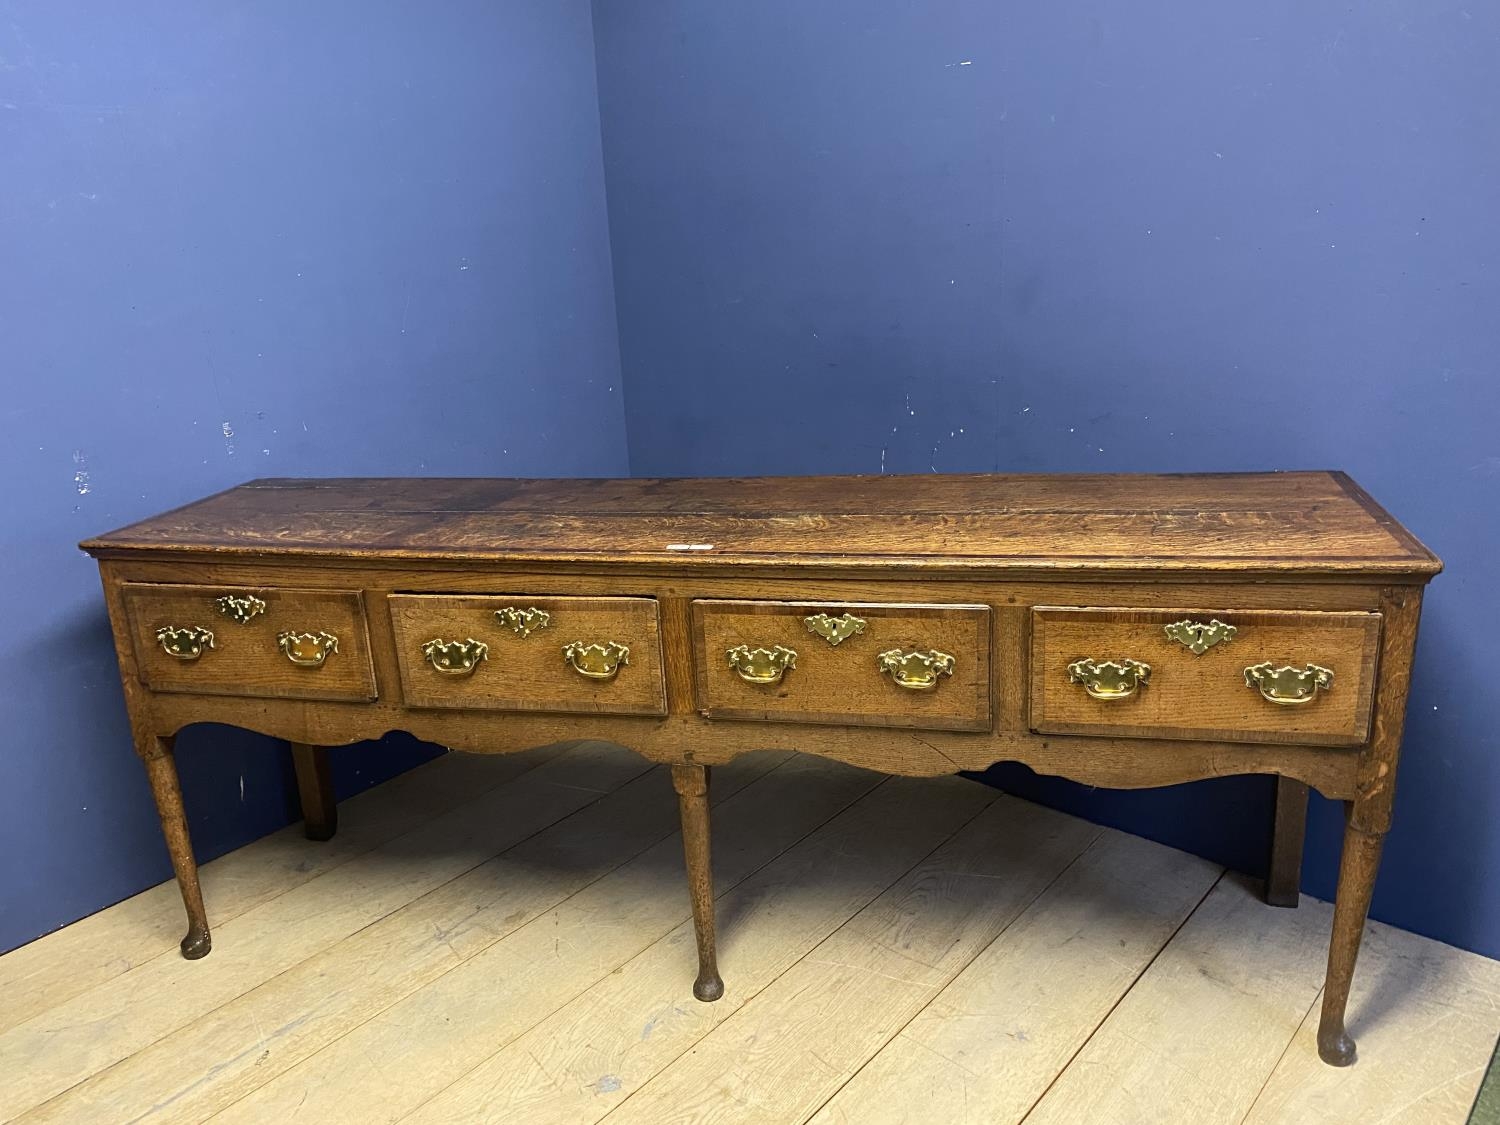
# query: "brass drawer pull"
455,658
1288,686
761,665
186,642
240,609
834,630
1197,637
1109,680
307,649
915,671
523,622
597,662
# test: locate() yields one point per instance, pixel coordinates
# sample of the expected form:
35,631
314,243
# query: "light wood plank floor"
507,939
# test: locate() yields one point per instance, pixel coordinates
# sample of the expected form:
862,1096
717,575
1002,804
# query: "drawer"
1232,675
252,641
845,663
524,653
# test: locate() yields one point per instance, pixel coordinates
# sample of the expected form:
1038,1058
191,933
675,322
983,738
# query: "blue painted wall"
846,237
274,239
866,236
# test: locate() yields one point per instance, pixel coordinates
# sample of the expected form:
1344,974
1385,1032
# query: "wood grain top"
1295,523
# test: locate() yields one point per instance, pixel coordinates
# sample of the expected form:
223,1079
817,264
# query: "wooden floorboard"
1193,1040
72,960
58,1048
1425,1017
792,1046
210,1063
988,1047
611,1040
389,1065
507,939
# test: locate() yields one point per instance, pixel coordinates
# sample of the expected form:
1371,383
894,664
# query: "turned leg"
691,783
161,769
1357,869
320,813
1289,827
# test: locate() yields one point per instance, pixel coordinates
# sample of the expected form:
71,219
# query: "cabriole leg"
1357,868
691,783
320,813
1367,818
161,770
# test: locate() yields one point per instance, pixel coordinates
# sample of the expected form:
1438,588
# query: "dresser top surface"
1296,523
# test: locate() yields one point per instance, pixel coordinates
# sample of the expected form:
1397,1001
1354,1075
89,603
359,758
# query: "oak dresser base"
1119,631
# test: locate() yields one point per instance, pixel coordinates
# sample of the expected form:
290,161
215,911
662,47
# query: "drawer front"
1255,676
524,653
845,663
251,641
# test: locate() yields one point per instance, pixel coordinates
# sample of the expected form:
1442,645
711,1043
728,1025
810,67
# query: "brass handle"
834,630
1109,679
597,662
915,671
240,609
307,649
455,658
1288,686
523,622
1197,637
761,665
186,642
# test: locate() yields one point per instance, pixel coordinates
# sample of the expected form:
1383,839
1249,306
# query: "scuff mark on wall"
81,473
228,438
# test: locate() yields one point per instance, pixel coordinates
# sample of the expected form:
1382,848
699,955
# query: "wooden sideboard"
1122,631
